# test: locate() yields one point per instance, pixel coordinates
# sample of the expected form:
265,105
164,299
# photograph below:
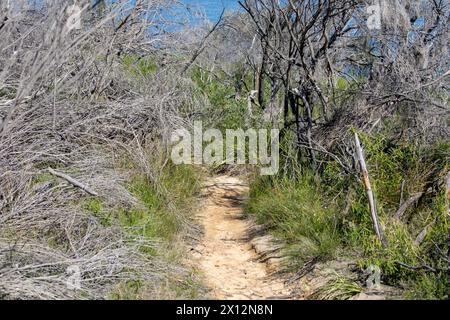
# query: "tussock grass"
296,212
339,288
160,217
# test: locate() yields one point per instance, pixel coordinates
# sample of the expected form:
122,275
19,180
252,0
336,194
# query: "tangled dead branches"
67,102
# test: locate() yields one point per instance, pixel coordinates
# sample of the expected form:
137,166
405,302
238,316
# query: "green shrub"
139,67
428,287
232,113
317,214
398,172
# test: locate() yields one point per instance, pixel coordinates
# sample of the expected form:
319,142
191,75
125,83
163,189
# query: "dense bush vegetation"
86,190
321,89
321,214
98,104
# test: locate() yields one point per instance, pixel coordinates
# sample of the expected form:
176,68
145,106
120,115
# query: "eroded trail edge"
225,257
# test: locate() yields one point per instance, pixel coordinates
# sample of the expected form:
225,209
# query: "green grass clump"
166,204
96,208
139,67
153,221
339,288
296,212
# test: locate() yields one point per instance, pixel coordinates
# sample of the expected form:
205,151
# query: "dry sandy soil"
224,256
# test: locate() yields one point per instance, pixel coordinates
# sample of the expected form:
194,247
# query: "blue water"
213,8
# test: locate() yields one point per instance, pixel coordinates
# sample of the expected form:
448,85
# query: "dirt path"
225,257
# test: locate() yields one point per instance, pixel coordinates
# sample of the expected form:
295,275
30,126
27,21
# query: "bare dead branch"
73,181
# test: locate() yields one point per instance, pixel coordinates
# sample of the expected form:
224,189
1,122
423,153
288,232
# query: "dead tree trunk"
250,100
259,85
369,192
306,98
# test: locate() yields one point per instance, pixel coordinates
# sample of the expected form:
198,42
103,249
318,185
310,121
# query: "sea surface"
213,8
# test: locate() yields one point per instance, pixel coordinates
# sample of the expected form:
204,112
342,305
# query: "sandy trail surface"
225,257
